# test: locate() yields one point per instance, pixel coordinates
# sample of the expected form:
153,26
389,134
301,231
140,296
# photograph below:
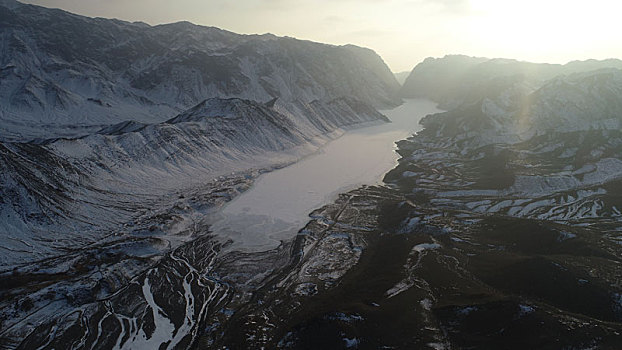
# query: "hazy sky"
403,32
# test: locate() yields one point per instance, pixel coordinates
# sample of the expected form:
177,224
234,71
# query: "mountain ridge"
458,79
76,74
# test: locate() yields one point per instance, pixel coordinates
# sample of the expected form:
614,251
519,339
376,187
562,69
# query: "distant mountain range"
544,133
401,76
455,79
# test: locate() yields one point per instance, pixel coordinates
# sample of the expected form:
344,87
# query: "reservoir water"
279,203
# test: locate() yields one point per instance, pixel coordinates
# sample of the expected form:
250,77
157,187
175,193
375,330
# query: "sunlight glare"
545,28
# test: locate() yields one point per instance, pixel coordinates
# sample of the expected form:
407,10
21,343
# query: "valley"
177,186
359,157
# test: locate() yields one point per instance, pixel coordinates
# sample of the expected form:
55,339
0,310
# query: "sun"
545,28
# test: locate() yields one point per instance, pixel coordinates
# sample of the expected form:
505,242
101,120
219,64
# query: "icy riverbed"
279,203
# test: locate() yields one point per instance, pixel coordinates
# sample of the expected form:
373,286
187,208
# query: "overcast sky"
403,32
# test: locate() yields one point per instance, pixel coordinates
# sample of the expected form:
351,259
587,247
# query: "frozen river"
278,204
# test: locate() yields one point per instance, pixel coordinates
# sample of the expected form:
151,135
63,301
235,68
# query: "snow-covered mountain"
118,141
551,154
78,191
65,75
456,79
81,218
100,118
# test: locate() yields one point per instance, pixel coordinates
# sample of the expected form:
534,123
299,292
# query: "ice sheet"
279,203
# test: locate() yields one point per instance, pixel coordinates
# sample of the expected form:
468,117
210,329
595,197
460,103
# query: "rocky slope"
378,268
382,268
73,75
